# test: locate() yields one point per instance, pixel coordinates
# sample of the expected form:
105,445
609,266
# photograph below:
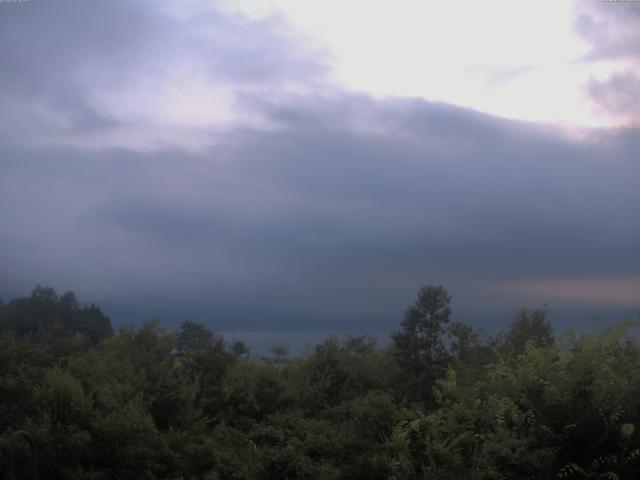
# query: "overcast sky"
308,165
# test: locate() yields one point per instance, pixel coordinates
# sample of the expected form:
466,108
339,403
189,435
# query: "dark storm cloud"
321,216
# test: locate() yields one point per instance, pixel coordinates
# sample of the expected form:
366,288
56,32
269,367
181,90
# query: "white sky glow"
513,59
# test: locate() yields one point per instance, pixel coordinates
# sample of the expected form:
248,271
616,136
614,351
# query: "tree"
206,359
239,348
195,337
419,348
45,316
463,340
529,327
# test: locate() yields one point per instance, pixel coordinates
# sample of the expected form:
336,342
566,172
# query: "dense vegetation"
439,402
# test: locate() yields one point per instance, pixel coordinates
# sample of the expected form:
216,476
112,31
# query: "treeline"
440,401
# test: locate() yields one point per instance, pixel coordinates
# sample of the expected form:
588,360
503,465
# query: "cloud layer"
613,30
204,165
321,216
130,74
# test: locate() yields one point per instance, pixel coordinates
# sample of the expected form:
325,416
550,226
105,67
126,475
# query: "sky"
299,165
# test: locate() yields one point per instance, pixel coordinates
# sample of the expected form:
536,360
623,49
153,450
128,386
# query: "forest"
440,400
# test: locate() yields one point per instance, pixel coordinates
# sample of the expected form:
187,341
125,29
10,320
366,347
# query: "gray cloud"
68,60
321,220
613,30
333,215
618,95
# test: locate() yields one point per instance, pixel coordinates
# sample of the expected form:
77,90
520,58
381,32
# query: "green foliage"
419,346
143,403
45,315
529,327
292,446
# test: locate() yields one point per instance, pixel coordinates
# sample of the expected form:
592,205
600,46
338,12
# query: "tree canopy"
441,400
